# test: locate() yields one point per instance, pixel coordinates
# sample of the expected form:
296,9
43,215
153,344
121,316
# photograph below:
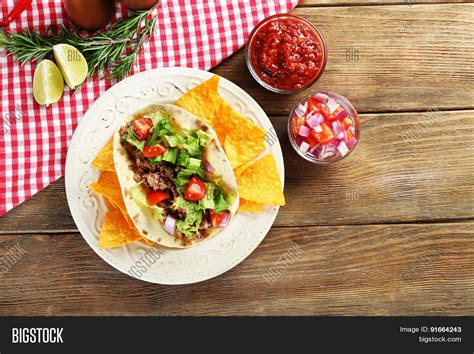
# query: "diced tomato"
326,136
346,123
156,197
142,127
196,190
217,219
318,107
313,105
153,151
324,110
311,139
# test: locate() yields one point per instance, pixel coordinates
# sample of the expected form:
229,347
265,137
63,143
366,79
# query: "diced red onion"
329,153
322,152
170,225
301,109
338,129
332,105
314,120
208,167
326,151
318,129
226,220
298,140
352,130
304,131
342,148
314,148
334,144
344,133
321,97
342,114
352,142
304,147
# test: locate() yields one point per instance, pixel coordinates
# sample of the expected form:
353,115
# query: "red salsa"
286,53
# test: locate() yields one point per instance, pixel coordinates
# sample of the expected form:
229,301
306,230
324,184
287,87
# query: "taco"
177,183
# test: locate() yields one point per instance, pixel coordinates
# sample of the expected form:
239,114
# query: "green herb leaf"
110,53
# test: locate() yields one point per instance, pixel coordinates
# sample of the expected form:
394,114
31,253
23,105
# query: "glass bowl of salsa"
324,128
286,53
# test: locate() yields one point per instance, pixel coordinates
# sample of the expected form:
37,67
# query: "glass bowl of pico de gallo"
324,128
286,53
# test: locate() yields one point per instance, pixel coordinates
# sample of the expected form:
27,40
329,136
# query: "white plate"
203,261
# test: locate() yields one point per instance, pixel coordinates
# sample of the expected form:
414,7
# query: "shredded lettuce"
194,164
131,138
183,158
193,141
170,155
157,213
220,204
161,127
203,137
208,201
193,148
155,160
173,140
194,214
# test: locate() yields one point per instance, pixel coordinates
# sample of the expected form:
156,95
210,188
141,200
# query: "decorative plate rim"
87,123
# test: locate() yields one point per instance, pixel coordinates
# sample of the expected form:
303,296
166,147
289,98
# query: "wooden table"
390,231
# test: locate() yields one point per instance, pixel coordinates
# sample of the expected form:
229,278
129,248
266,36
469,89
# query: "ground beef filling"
160,178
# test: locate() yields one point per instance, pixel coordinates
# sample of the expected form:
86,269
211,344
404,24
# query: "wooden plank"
391,177
346,270
376,2
385,58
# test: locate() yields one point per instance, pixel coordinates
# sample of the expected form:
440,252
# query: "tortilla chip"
115,231
242,140
110,206
202,100
105,160
239,170
261,182
109,187
247,206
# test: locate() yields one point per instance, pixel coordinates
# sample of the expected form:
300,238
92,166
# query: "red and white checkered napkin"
34,139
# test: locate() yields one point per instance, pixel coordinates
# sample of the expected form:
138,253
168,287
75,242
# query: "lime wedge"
48,83
72,64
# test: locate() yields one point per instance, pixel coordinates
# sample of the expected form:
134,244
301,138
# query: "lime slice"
48,83
72,64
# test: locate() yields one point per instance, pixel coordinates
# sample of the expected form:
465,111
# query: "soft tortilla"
214,154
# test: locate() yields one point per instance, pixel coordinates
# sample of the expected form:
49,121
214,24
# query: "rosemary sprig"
109,54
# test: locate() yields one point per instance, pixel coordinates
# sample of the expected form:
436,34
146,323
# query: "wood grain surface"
385,58
388,231
406,168
336,270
